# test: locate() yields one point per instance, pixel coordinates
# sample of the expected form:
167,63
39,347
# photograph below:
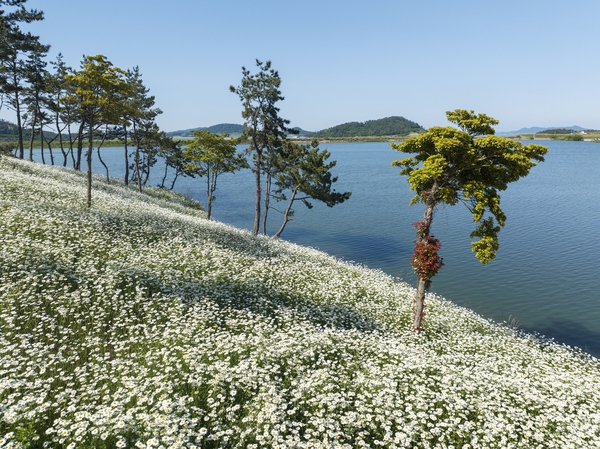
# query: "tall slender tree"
139,116
15,46
56,104
99,91
35,94
264,128
467,164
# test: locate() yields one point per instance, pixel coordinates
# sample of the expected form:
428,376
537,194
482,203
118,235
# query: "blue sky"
526,63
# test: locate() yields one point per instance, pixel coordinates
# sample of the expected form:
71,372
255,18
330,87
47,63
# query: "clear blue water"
546,277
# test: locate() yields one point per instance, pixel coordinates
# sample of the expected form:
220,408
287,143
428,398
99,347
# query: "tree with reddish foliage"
467,164
426,262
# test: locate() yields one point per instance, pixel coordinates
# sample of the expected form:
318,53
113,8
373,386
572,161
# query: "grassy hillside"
139,323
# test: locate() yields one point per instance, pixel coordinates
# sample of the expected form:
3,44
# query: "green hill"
222,128
9,133
139,323
226,128
390,126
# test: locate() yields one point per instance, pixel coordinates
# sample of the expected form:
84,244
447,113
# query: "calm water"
546,277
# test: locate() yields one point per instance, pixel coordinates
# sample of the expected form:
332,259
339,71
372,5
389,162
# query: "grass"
141,324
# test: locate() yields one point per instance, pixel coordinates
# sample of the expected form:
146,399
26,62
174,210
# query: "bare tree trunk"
89,166
19,122
72,156
422,288
258,193
174,179
209,195
60,142
80,145
147,170
100,159
70,147
286,214
267,201
126,158
51,152
138,174
42,145
33,123
164,179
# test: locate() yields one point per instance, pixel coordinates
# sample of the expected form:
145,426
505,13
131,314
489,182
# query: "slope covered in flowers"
139,323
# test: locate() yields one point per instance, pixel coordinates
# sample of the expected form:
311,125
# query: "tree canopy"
209,156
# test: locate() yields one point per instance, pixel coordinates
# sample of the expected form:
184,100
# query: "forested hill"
389,126
222,128
10,133
226,128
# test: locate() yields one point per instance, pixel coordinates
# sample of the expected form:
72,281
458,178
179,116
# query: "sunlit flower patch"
140,324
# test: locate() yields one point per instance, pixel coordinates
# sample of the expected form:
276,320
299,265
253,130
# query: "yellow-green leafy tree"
469,164
210,155
99,93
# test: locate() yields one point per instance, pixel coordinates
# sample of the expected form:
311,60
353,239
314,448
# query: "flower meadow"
140,324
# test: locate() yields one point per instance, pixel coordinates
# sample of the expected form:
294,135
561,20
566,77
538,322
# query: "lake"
546,277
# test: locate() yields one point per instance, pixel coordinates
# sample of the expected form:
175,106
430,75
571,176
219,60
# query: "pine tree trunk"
174,179
60,142
33,123
138,173
286,214
80,146
257,165
126,176
19,122
89,167
103,164
209,195
267,201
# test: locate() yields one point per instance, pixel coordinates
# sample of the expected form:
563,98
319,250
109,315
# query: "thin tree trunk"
138,174
50,151
100,159
126,158
42,145
72,156
286,214
33,123
70,146
60,142
80,145
174,179
258,193
89,166
147,170
162,184
209,195
422,287
267,201
19,122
